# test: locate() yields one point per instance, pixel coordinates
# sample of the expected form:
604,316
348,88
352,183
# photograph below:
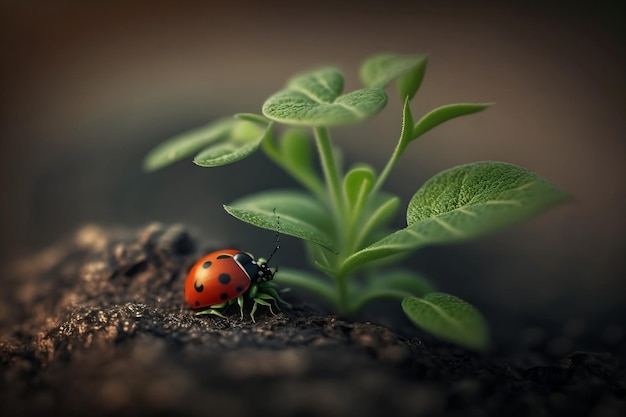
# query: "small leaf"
449,318
443,114
187,144
244,139
378,214
299,156
390,283
380,70
312,282
463,203
252,117
357,185
300,215
297,148
313,99
294,153
402,279
410,82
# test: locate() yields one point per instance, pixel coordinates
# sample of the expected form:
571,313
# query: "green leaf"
410,82
300,215
314,99
380,70
473,199
389,283
443,114
244,139
449,318
187,144
463,203
357,185
252,117
312,282
401,279
297,149
378,214
295,154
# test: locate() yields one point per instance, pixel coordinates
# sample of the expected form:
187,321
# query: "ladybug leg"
210,311
240,301
260,300
254,306
271,290
214,309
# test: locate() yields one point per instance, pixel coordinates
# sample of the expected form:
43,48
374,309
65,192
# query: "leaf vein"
351,109
523,186
448,227
324,83
442,313
466,212
503,202
308,93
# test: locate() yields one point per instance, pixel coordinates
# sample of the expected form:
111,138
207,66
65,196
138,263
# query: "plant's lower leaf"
300,215
400,278
449,318
312,282
389,283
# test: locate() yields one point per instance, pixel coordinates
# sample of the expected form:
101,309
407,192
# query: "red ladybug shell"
214,279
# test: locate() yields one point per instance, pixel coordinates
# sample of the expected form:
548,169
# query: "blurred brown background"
88,89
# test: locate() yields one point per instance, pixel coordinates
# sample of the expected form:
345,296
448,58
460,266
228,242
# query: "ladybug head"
257,270
264,272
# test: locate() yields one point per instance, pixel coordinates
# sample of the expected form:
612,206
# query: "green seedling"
343,216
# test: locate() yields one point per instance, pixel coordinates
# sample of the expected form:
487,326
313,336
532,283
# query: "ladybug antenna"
277,236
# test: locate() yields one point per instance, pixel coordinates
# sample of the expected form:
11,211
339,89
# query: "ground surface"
97,326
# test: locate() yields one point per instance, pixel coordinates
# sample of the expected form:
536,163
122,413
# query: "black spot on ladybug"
206,264
198,288
224,256
223,296
197,303
224,279
239,288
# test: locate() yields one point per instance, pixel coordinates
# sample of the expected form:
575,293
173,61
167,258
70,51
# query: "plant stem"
333,183
342,295
331,172
390,164
406,136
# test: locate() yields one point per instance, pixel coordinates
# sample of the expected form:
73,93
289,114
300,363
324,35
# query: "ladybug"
226,276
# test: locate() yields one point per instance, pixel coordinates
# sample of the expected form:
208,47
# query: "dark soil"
97,326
